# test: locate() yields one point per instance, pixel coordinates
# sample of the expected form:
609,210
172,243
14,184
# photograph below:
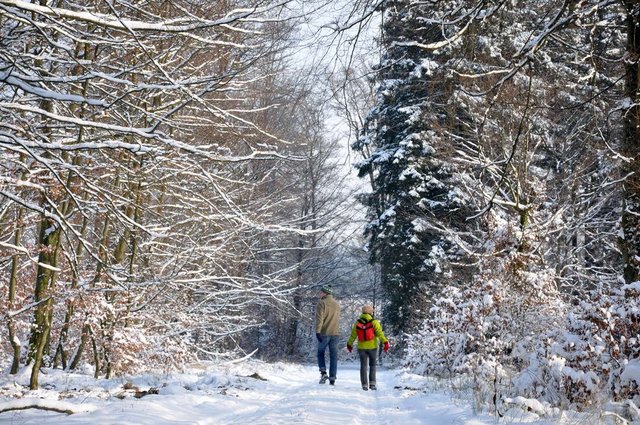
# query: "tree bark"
13,283
83,342
83,50
48,259
631,148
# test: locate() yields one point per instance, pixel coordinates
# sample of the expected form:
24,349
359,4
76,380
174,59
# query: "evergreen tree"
414,201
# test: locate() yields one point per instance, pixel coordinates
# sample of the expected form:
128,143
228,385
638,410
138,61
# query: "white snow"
18,80
236,393
631,372
529,404
229,395
634,286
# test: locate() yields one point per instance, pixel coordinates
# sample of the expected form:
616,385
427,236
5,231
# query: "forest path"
242,393
297,398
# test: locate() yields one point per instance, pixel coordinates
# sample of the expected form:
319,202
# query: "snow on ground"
237,394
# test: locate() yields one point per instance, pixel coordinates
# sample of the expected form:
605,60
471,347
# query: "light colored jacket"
377,330
328,316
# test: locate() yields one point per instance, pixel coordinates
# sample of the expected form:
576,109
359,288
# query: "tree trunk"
103,258
294,323
96,355
47,261
13,282
83,50
83,342
631,148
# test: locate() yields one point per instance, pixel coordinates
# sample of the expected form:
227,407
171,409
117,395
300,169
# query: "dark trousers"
368,361
331,342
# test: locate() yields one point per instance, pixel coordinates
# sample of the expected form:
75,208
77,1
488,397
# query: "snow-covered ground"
237,394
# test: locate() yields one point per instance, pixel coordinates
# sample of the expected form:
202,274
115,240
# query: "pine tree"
414,202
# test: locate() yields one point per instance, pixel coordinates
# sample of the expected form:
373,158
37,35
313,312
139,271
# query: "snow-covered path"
297,398
230,395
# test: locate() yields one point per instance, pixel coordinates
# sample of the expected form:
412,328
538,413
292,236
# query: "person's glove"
318,337
349,348
386,347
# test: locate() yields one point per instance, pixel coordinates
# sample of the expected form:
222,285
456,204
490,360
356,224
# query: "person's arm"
377,329
319,316
352,337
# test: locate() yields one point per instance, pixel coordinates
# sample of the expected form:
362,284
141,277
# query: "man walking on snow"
327,333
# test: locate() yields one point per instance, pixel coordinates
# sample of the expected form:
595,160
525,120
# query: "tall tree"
631,146
141,232
413,181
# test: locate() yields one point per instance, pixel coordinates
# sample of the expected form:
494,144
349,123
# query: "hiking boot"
365,388
372,387
332,381
323,377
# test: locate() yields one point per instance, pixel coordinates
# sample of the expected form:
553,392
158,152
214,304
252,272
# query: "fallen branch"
44,404
248,356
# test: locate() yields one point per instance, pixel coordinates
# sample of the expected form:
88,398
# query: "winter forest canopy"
174,186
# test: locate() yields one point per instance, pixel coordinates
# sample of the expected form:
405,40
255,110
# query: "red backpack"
364,330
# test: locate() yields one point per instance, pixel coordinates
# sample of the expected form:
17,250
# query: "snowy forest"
178,178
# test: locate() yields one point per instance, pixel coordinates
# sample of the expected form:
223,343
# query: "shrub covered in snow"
514,345
599,350
492,330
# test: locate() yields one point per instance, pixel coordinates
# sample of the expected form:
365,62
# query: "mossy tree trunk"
48,243
13,283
